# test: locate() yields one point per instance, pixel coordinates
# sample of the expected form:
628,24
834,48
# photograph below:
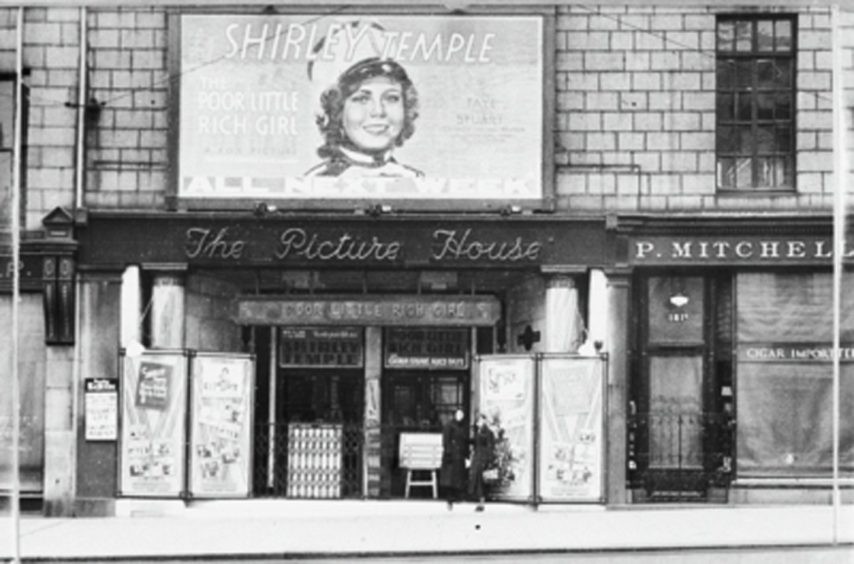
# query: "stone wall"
636,111
208,322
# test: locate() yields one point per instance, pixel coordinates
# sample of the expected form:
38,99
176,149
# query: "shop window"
756,103
785,375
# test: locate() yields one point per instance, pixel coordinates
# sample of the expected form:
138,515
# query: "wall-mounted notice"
318,347
221,425
153,432
101,409
422,348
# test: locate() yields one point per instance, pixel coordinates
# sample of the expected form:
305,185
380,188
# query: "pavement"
152,530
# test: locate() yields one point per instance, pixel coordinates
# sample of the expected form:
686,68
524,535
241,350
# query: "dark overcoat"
455,443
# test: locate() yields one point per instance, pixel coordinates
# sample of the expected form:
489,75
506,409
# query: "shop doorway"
679,414
417,401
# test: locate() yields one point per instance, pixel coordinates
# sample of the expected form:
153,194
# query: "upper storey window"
756,103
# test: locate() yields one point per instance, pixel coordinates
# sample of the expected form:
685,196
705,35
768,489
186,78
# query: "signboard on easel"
421,452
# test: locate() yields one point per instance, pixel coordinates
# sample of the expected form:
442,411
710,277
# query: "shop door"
415,401
674,435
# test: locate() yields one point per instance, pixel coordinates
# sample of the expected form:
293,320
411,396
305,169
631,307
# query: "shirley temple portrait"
367,107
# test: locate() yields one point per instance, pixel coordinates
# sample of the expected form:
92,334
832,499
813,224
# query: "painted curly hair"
332,103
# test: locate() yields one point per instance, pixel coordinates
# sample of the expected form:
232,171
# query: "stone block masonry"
637,86
127,152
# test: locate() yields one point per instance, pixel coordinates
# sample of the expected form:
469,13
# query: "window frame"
753,56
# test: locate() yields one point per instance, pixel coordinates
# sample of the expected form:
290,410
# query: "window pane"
743,173
743,106
783,107
675,423
765,104
744,74
765,141
788,174
726,35
743,36
766,75
726,173
726,140
5,189
784,138
783,73
783,34
7,113
745,140
726,74
764,173
725,109
765,36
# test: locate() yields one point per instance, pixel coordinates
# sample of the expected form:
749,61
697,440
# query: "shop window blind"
784,386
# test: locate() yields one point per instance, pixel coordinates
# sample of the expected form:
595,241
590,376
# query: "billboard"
362,107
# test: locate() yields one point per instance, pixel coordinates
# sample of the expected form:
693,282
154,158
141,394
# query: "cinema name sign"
730,250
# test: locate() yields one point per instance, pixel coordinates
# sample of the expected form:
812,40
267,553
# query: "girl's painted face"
374,114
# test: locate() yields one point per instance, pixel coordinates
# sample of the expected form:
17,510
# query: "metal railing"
679,456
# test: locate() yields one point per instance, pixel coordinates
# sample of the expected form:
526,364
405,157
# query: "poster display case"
571,438
185,427
508,401
152,457
546,412
220,425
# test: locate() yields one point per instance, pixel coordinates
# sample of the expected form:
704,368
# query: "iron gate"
273,472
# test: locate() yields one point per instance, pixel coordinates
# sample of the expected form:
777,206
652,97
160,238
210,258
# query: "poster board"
101,409
221,418
506,385
152,456
571,449
254,117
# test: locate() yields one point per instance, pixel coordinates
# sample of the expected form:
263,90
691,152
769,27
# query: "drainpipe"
80,164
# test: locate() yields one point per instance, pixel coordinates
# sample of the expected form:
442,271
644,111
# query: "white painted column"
563,322
597,312
131,308
167,311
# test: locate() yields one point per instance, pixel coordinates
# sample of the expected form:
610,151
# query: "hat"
355,53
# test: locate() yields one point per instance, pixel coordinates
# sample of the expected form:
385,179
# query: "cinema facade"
244,328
